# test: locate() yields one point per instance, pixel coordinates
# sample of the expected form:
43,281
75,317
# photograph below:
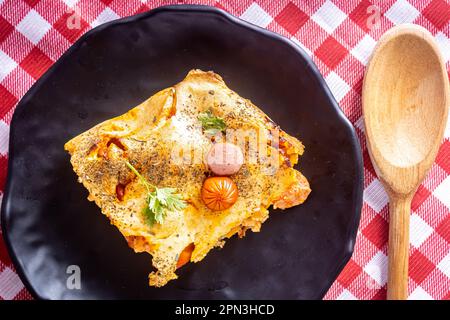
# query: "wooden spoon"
405,105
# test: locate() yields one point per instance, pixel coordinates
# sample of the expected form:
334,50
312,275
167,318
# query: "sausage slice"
225,159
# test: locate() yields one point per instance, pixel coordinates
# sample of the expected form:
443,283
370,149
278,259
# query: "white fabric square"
375,195
444,265
346,295
70,3
329,16
442,192
33,26
363,49
420,294
402,12
7,65
4,137
256,15
377,268
104,17
10,284
337,85
444,44
360,123
419,231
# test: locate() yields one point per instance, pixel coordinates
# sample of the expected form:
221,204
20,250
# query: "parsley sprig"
211,124
159,200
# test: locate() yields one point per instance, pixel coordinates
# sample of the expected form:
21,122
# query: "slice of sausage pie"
151,172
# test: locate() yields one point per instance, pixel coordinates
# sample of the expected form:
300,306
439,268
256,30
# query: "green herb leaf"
149,216
211,124
159,201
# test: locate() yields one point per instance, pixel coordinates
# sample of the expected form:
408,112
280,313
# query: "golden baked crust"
149,136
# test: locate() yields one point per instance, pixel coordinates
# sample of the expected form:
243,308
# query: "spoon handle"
398,250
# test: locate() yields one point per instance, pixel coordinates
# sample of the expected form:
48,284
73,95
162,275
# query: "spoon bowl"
405,107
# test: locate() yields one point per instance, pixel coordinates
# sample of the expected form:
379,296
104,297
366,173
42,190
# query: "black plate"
48,223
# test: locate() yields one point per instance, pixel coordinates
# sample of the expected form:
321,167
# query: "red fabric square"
3,168
443,156
447,296
219,5
31,3
351,271
359,82
36,63
142,8
5,29
71,25
419,266
443,229
107,2
438,12
377,231
380,294
368,163
291,18
23,295
360,15
7,101
421,195
331,52
4,256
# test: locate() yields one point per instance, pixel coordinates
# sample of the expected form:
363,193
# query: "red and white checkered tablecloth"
340,36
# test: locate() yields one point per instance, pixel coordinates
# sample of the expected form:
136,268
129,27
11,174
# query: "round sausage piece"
225,159
219,193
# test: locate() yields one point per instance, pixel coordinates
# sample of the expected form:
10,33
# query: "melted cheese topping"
161,138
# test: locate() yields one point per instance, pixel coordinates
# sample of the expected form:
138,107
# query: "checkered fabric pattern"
340,36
